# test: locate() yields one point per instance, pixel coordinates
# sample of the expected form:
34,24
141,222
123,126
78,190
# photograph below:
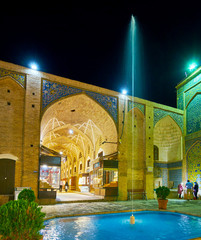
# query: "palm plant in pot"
162,193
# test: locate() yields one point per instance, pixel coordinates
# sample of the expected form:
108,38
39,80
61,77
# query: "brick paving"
84,208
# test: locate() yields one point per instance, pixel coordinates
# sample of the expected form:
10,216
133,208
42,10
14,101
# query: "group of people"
191,190
62,183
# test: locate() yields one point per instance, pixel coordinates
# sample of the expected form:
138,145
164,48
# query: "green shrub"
162,192
21,219
27,194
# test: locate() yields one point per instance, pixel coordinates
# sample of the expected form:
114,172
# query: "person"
61,186
195,190
66,186
189,187
180,189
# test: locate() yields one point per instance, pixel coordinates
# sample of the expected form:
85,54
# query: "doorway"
7,176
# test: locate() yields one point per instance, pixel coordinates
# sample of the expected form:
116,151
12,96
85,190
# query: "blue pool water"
148,225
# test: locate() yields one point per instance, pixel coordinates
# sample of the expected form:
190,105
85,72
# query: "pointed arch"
167,137
193,157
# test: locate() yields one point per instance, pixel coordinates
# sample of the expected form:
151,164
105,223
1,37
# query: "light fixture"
61,153
192,66
70,131
34,66
124,91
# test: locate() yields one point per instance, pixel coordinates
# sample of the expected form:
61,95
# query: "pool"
148,225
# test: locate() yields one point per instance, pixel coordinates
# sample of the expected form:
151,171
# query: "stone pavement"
76,196
84,208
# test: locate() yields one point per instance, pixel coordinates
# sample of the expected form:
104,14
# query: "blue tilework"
180,101
193,115
175,176
18,77
161,165
192,90
52,91
159,114
168,165
165,177
194,161
132,105
108,102
191,142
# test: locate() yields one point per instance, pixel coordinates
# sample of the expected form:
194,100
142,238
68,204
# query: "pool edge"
119,211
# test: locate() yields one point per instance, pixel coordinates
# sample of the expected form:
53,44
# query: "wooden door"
7,176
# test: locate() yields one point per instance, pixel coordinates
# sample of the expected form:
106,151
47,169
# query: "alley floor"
84,208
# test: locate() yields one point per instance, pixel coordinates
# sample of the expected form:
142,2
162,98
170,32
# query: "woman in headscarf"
180,189
195,190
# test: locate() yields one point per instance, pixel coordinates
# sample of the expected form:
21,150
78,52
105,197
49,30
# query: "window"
156,153
88,163
80,166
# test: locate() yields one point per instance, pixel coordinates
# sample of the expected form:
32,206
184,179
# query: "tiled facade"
189,99
134,125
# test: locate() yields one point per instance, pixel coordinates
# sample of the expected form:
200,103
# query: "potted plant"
162,193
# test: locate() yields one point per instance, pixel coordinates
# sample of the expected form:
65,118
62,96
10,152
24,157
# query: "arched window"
156,153
88,163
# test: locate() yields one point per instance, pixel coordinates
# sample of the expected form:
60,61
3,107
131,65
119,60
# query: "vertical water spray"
132,218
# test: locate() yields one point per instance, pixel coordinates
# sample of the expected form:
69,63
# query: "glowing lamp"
70,131
34,66
124,91
192,66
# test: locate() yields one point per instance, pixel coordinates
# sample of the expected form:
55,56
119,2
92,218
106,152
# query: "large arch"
168,162
194,162
167,137
77,126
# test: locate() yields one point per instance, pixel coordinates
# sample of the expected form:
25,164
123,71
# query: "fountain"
132,218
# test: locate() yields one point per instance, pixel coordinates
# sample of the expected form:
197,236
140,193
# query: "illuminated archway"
77,126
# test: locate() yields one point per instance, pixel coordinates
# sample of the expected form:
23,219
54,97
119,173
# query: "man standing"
189,187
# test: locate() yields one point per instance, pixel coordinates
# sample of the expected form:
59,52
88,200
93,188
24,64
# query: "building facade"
97,140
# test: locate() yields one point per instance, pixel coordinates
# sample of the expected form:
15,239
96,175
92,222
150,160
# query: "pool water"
148,225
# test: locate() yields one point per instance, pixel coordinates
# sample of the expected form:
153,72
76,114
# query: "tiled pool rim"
120,211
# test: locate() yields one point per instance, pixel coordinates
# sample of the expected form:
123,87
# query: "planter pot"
162,204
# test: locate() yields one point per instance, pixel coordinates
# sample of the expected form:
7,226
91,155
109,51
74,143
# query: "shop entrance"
84,134
7,176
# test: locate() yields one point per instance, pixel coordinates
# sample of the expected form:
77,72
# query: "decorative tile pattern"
159,114
108,102
191,92
18,77
52,91
132,105
191,142
168,165
180,101
175,176
165,177
193,115
194,162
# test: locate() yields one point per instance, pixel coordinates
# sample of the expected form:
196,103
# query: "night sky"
87,42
